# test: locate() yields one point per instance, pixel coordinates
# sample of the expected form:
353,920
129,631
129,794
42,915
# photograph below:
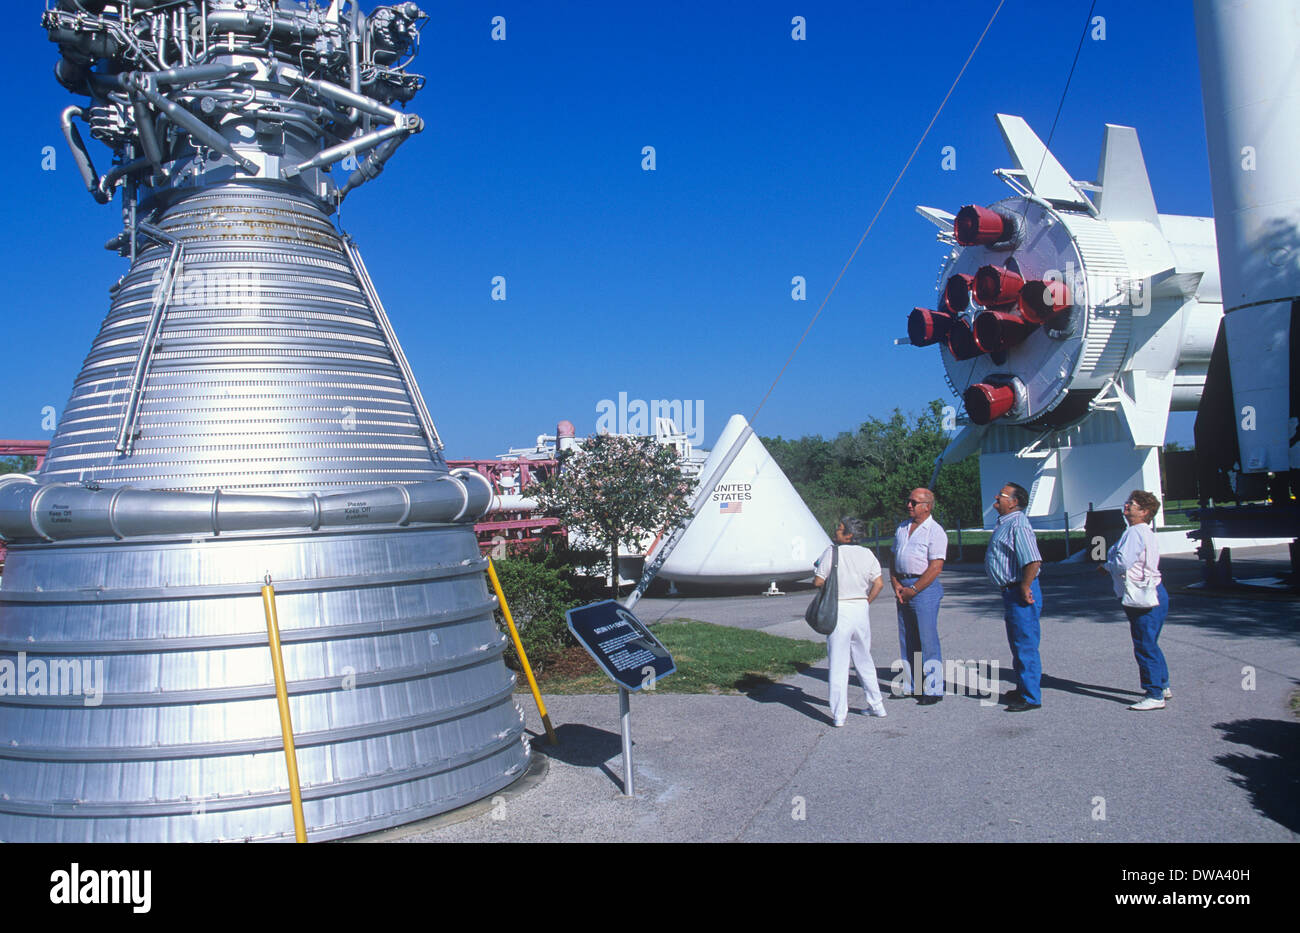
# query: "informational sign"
620,644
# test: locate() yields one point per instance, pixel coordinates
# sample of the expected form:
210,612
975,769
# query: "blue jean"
1022,635
918,634
1145,625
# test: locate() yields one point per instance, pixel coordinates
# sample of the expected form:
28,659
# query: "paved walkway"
1221,763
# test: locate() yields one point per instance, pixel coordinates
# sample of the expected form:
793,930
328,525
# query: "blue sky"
771,157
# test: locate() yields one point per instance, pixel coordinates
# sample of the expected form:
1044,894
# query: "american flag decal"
729,508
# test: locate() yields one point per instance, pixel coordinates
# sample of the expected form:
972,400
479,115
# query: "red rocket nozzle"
985,402
979,226
995,285
1039,300
1000,330
963,342
925,327
956,293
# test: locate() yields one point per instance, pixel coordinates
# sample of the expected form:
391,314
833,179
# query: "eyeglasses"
1003,495
917,502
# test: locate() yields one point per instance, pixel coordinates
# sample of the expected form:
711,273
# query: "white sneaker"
839,723
1148,703
1168,693
877,711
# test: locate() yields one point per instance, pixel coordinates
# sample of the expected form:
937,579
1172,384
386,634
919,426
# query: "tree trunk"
613,566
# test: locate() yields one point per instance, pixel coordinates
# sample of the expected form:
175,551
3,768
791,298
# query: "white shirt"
913,553
856,571
1136,555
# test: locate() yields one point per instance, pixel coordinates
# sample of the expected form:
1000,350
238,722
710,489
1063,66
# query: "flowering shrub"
616,490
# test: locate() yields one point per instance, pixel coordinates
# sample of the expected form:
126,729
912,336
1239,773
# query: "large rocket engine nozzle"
926,327
1040,300
979,226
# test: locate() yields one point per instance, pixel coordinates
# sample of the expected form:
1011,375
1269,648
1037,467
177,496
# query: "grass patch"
710,659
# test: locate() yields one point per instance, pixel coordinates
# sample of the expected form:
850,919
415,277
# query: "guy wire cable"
661,556
920,142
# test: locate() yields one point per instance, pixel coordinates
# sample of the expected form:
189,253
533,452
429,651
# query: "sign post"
624,649
625,721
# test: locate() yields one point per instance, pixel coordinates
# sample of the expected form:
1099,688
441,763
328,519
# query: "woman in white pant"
859,581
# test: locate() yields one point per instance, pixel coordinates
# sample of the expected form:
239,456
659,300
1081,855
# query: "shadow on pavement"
583,746
1096,691
1075,593
795,698
1272,778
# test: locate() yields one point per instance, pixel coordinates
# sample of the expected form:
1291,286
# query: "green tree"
615,490
21,464
869,472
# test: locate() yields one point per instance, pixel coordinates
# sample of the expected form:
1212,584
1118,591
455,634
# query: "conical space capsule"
754,529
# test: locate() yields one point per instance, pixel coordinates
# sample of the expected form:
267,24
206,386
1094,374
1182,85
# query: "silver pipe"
192,73
203,12
464,474
390,338
30,511
126,433
196,127
342,95
181,27
234,21
371,167
117,172
145,129
80,154
354,56
159,24
351,147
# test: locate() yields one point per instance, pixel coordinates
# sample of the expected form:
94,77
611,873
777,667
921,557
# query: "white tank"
753,529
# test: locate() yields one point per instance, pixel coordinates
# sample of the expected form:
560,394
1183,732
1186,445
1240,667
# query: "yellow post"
282,696
523,658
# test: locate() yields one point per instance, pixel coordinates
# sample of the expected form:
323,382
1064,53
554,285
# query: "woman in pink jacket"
1134,564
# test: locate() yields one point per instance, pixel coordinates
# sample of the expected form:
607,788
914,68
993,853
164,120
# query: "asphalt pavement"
1220,763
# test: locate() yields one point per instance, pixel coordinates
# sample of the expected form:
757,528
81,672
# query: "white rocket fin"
1122,174
960,447
1042,173
1144,400
940,218
1170,284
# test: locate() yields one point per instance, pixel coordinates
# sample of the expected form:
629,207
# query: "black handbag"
821,612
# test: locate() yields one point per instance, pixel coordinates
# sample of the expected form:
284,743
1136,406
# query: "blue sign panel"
621,644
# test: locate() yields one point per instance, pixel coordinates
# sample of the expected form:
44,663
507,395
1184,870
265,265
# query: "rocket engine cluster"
1071,316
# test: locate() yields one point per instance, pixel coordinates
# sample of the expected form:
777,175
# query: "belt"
908,576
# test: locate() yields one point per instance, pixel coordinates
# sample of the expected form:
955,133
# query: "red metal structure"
511,529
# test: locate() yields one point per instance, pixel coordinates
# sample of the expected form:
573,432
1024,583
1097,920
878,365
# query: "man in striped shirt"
1012,562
